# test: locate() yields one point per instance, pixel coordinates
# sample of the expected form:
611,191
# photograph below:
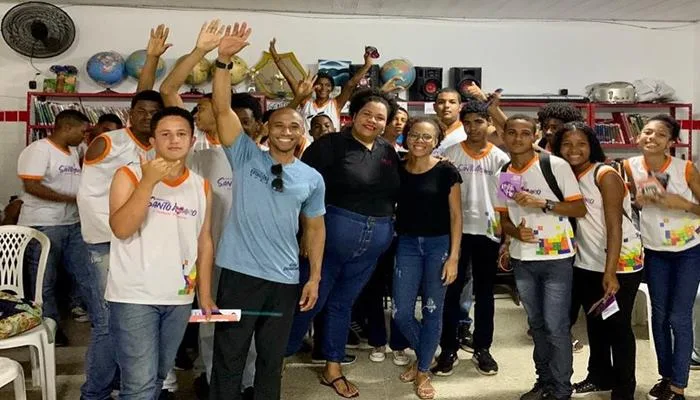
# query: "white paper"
428,108
610,310
403,104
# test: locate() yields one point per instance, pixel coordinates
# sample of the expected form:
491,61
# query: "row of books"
45,111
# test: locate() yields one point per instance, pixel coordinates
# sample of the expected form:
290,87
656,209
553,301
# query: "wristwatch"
548,206
221,65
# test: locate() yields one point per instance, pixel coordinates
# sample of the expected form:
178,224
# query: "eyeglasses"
426,137
277,183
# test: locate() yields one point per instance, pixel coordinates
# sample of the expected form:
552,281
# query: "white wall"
521,57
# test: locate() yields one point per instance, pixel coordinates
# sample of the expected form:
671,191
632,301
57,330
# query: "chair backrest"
13,242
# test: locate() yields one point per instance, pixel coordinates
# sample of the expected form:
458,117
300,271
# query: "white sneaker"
377,354
79,314
400,358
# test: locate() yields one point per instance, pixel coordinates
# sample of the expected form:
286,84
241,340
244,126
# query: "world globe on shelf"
136,61
106,68
402,68
239,71
200,73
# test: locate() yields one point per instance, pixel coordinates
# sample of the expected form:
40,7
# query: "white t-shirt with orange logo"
553,231
591,233
57,169
665,229
479,184
157,264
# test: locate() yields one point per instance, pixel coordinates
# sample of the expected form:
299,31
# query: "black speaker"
460,77
371,78
428,82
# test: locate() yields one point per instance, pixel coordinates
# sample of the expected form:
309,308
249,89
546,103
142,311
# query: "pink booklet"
198,315
508,185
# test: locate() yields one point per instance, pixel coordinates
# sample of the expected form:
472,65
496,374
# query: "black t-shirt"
424,207
357,179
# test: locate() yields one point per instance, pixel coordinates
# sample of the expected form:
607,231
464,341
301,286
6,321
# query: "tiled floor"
378,381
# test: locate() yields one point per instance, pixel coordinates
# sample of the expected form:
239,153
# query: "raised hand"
157,41
234,40
154,171
210,35
390,85
526,234
368,58
273,50
476,92
306,85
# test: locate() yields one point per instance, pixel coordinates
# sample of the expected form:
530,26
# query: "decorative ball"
136,61
106,68
400,67
201,73
239,71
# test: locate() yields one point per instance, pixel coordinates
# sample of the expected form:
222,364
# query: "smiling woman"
361,173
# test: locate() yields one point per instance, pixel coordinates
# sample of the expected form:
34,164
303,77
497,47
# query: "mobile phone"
490,100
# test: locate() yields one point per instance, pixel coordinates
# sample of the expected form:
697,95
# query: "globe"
136,61
200,73
106,68
402,68
239,71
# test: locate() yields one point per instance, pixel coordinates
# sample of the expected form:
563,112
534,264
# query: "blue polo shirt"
259,237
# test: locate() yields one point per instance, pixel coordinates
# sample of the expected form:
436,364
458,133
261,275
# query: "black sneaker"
694,364
445,364
587,388
248,393
166,395
485,364
659,389
317,358
538,392
669,395
60,340
466,340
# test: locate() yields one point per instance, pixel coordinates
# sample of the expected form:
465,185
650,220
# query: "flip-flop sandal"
409,375
425,393
331,385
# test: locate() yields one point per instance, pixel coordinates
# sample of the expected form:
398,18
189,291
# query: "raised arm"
156,47
349,87
209,37
293,84
227,123
304,91
129,197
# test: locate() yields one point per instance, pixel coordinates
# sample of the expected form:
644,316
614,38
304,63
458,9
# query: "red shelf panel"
630,146
98,95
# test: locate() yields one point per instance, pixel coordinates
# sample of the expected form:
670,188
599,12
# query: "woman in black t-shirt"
361,173
429,224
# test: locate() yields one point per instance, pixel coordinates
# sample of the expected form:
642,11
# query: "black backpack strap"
505,166
546,167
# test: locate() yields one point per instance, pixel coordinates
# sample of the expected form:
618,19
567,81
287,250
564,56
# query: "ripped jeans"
418,270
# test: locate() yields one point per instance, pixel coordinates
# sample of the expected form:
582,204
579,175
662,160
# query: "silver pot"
614,92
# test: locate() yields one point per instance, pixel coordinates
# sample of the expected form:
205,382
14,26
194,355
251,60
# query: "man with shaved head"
258,251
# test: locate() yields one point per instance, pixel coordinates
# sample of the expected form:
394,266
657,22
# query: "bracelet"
221,65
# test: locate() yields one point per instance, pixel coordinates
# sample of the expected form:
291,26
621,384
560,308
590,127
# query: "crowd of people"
293,219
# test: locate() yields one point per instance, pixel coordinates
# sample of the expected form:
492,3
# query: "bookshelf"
43,107
594,113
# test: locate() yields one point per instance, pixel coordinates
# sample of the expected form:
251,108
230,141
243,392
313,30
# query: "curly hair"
564,112
246,100
369,95
670,122
439,127
472,106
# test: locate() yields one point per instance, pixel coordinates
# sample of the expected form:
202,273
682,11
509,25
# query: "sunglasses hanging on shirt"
277,183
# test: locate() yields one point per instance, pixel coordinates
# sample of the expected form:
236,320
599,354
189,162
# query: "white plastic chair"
11,371
13,243
644,289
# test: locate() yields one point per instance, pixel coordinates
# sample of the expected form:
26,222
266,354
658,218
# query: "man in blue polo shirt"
258,251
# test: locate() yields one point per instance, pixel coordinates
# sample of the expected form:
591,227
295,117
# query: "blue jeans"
673,283
696,328
67,249
545,291
419,262
100,362
354,242
146,338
